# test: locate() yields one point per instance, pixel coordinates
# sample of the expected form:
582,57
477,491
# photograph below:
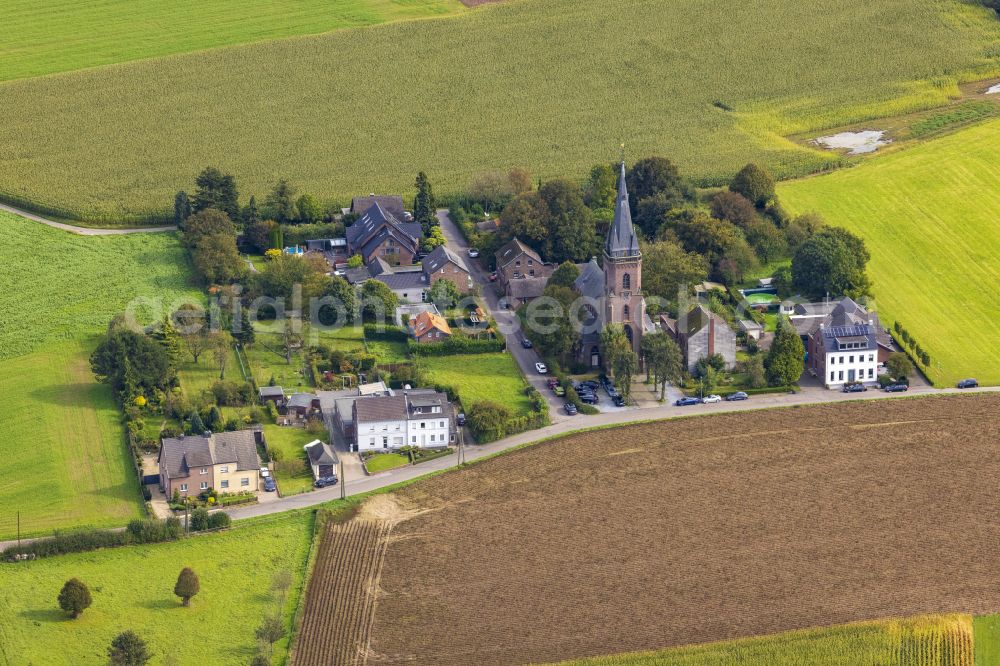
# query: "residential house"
407,311
379,233
429,327
322,459
274,394
807,317
419,417
521,273
225,461
302,406
700,334
847,346
443,264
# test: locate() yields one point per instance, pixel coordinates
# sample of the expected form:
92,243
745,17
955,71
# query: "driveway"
83,231
507,321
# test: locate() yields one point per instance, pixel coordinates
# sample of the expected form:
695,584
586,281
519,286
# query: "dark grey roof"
820,309
380,408
271,391
392,203
698,319
303,400
440,256
622,241
320,453
390,231
374,221
357,275
426,398
850,323
512,250
178,455
527,288
590,283
403,280
378,266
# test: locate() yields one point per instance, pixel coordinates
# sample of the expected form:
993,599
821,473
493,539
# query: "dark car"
896,388
461,419
526,343
854,388
590,399
685,402
570,408
619,401
324,481
592,384
968,383
739,395
269,484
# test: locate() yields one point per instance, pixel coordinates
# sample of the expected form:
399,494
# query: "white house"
420,418
847,345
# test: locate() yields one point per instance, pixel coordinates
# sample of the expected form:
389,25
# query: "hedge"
80,541
455,345
385,333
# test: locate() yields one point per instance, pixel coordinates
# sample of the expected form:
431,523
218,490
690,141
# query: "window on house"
531,262
204,485
224,469
532,272
225,483
871,358
245,481
840,376
184,487
432,437
625,312
831,375
442,424
423,424
871,373
851,359
414,439
626,281
517,263
385,442
204,470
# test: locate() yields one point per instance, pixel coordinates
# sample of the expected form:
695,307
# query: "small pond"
855,143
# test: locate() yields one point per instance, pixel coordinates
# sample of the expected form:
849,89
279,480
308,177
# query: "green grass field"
555,103
61,440
292,473
928,216
986,629
267,362
62,35
934,640
477,377
132,588
385,461
198,377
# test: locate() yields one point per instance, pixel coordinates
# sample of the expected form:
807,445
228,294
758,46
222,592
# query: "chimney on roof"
207,434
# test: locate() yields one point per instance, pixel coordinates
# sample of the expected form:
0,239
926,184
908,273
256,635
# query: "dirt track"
699,530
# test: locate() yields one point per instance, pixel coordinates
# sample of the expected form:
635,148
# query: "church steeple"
622,242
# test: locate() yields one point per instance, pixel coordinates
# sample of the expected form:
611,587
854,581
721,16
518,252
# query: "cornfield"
551,85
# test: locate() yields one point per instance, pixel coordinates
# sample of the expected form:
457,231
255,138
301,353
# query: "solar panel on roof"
847,331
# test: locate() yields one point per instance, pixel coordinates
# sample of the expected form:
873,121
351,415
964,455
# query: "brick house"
521,273
443,264
429,327
225,461
700,334
379,233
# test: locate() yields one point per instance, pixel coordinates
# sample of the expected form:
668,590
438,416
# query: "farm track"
83,231
340,599
701,530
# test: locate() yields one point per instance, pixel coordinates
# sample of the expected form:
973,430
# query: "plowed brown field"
698,530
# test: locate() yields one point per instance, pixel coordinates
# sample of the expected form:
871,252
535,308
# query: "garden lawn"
345,338
671,78
292,473
132,588
478,377
928,217
388,352
267,363
198,377
62,35
385,461
63,460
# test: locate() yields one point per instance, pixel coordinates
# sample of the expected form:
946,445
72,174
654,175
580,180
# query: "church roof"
622,241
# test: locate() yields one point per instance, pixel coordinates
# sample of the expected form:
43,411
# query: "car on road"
559,391
461,419
551,382
685,402
526,343
896,388
473,253
540,367
739,395
570,408
968,383
709,399
618,400
324,481
855,388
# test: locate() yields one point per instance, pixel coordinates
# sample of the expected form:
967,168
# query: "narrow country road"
83,231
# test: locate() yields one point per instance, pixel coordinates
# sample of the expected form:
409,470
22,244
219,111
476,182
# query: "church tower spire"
622,241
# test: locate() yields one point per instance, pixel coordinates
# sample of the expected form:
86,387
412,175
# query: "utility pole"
343,481
19,529
461,447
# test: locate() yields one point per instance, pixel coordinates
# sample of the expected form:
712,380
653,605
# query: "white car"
265,472
541,368
473,252
708,399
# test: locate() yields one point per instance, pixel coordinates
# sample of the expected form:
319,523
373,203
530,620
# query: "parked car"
264,472
269,484
559,391
473,253
968,383
540,367
526,343
896,388
570,408
551,382
592,384
739,395
589,398
685,402
461,419
324,481
710,399
855,388
619,401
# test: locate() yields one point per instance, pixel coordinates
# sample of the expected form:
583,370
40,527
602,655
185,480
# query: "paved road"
83,231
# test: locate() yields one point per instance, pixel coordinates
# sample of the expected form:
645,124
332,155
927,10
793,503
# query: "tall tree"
733,207
182,208
784,360
222,345
74,598
755,183
651,176
251,215
280,202
619,357
378,301
271,630
667,269
571,232
187,585
424,206
127,649
217,260
208,222
309,210
564,275
216,190
663,359
601,188
125,359
548,321
833,262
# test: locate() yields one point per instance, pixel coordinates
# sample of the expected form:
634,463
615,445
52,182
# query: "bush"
74,598
199,519
233,394
154,531
385,333
455,345
219,520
